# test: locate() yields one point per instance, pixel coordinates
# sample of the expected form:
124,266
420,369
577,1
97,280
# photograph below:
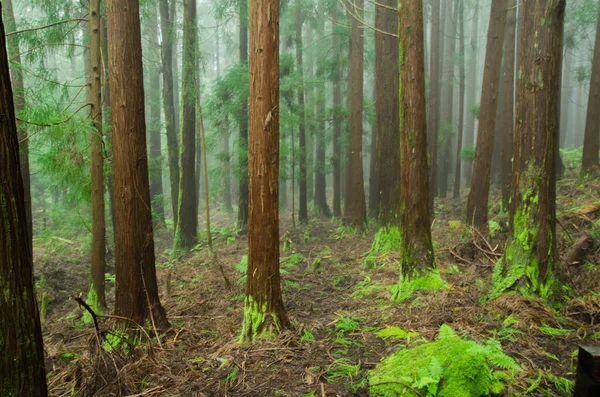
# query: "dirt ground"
325,286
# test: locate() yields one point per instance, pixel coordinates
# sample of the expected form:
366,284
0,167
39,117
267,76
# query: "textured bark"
14,54
242,218
226,156
167,33
303,198
134,239
531,248
591,138
472,94
264,310
461,98
477,206
337,120
434,97
508,94
416,255
565,101
96,297
355,211
22,370
187,227
387,85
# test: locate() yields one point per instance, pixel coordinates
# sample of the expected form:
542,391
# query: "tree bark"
303,198
472,94
434,97
167,33
242,218
337,119
264,310
187,227
355,211
134,240
531,251
461,96
226,156
591,138
22,370
477,206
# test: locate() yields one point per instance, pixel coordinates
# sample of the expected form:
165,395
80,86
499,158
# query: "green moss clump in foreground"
406,287
387,239
448,367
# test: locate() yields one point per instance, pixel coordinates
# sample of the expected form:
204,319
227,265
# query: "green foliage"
407,286
387,239
242,267
546,330
342,369
347,323
448,367
307,336
396,333
468,153
366,287
475,110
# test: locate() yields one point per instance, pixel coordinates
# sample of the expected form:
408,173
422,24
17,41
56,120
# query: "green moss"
94,302
387,239
448,367
407,286
254,320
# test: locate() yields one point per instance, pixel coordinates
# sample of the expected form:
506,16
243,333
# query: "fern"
396,333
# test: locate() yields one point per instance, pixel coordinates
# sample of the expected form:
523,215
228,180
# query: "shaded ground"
336,307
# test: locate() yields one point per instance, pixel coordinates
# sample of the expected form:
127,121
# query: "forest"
299,198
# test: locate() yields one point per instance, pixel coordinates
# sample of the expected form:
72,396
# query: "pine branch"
46,26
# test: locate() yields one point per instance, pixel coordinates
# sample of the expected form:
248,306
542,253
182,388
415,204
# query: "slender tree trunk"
168,34
591,139
472,93
302,203
242,218
565,101
137,290
531,251
264,310
96,296
355,211
373,171
187,227
477,206
416,247
22,370
337,118
176,80
226,156
387,75
434,97
508,120
461,96
14,54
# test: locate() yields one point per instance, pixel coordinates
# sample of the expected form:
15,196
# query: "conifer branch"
46,26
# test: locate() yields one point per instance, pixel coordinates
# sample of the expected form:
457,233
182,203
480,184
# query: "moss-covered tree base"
387,239
258,321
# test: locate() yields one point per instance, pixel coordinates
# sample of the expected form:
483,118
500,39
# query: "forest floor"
336,306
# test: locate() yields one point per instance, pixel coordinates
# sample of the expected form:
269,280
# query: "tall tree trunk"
508,120
337,118
472,93
387,75
565,101
302,204
168,34
416,247
355,211
14,54
242,218
531,251
96,296
155,151
477,206
22,370
137,290
434,97
461,96
592,123
226,156
264,310
187,227
176,81
373,171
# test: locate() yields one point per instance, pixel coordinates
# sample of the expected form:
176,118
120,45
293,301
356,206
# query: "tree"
591,139
167,34
22,370
472,93
434,97
96,296
355,211
477,206
387,77
416,246
531,251
263,309
137,290
187,227
14,53
337,118
461,98
242,218
302,204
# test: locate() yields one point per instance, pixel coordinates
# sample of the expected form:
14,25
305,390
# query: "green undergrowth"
447,367
387,239
431,281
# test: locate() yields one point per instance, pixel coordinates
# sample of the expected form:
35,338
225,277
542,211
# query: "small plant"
406,287
392,332
468,154
292,260
242,267
342,369
307,336
347,323
554,331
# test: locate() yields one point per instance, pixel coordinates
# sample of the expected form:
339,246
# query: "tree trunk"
434,97
472,94
226,156
22,370
337,119
592,123
355,211
302,204
167,33
134,240
96,296
373,171
461,96
416,247
477,206
242,218
187,227
387,75
565,101
531,248
14,54
508,120
264,310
